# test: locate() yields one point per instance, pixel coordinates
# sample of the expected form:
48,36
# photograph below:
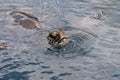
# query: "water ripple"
16,75
47,72
78,44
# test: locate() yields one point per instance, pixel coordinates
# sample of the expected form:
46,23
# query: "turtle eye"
51,41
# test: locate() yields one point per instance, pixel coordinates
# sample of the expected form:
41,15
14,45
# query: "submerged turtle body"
26,20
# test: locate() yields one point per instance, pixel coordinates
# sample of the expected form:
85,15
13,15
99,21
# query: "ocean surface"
93,51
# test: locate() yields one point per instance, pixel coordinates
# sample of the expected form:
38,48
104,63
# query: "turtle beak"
49,40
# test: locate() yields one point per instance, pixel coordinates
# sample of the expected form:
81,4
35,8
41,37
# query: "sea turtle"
26,20
97,14
69,42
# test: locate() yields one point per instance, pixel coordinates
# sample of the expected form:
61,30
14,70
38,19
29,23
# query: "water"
92,54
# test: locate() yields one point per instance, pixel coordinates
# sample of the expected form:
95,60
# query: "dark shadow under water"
16,75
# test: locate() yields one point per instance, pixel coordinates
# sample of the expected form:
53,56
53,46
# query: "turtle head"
57,38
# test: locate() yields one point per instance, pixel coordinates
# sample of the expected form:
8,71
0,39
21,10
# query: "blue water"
93,51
